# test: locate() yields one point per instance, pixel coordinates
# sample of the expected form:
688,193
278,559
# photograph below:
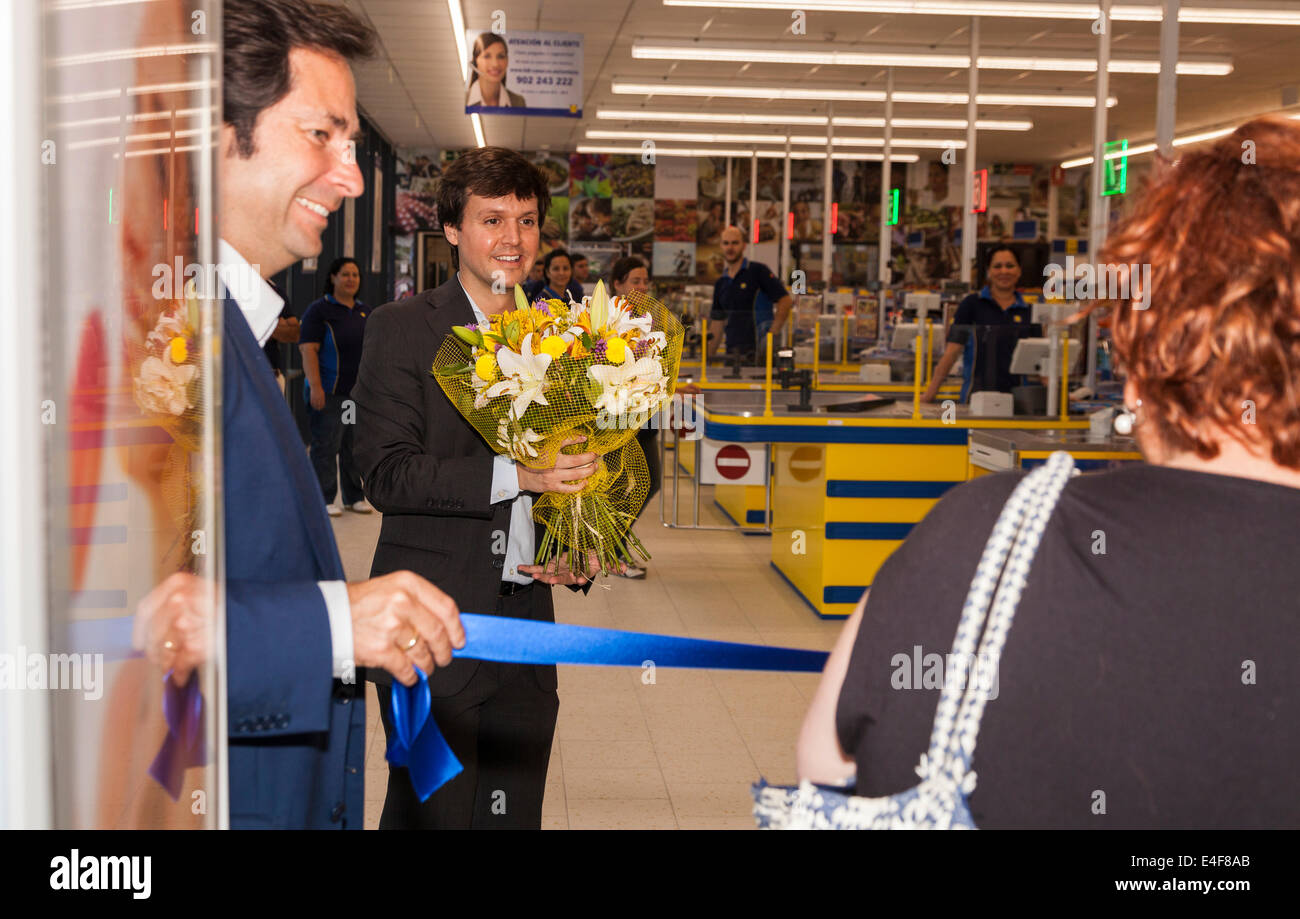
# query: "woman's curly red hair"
1220,229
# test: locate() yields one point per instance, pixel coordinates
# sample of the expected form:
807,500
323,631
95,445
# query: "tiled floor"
672,749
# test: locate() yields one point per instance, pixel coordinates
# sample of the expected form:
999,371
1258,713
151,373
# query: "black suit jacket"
428,471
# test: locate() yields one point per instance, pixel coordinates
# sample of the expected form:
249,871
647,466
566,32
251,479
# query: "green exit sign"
893,208
1115,168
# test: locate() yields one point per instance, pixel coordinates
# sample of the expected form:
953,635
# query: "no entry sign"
732,464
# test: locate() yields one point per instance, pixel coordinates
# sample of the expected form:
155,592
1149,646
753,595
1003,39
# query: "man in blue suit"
295,630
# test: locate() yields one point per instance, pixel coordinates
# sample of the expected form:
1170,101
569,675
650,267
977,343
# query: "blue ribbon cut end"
416,743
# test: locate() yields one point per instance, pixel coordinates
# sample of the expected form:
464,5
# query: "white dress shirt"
261,307
521,540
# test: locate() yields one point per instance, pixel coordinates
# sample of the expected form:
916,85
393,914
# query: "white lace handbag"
939,802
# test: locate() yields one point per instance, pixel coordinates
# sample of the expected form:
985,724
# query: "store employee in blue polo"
985,330
734,294
333,329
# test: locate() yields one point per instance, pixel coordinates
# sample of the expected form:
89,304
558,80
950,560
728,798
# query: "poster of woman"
489,63
524,73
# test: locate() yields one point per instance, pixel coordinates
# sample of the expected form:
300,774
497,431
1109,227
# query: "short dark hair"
625,266
489,172
996,249
552,256
257,36
578,257
335,267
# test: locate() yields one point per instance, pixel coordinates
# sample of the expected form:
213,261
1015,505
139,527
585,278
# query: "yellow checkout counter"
847,487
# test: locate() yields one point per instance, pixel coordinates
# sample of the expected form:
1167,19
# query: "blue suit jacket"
296,736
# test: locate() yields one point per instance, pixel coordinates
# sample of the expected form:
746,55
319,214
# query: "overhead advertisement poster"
524,73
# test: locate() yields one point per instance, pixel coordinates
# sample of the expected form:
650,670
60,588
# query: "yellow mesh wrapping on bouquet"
526,403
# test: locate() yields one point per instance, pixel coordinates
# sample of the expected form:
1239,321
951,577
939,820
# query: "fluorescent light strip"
458,33
787,54
117,119
627,88
1012,9
954,124
98,95
478,128
129,54
923,143
746,154
805,140
708,117
1149,148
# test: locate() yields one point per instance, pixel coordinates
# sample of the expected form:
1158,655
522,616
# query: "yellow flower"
178,350
577,351
486,367
616,350
554,345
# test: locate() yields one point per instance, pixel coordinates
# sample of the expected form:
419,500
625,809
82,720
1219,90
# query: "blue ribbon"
419,746
183,746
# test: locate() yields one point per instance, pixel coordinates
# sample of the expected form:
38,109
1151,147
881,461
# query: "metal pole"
886,232
28,526
727,211
830,194
1166,89
969,221
1097,212
785,217
753,202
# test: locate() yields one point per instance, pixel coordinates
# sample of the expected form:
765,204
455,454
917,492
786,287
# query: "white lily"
627,386
622,320
519,444
523,377
598,308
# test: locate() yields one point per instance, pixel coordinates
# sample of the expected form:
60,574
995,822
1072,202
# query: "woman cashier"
985,331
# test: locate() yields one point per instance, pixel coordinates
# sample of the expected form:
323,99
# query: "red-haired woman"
1149,677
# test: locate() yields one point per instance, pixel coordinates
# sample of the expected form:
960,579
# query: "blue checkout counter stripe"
816,612
861,488
816,434
754,517
850,593
868,531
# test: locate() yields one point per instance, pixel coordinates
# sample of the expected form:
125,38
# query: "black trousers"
501,727
648,440
331,451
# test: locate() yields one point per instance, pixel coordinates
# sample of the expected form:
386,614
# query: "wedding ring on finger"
411,642
169,645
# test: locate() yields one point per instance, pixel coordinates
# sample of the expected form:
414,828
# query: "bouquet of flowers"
550,370
166,378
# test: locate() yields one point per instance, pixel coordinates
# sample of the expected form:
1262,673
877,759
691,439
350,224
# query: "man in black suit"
459,514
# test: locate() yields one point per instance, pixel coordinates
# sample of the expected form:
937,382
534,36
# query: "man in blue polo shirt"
333,329
985,330
733,299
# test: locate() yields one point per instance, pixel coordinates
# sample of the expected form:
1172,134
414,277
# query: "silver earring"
1125,419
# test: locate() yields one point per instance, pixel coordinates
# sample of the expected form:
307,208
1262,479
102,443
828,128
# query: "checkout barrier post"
695,524
767,387
1065,375
916,375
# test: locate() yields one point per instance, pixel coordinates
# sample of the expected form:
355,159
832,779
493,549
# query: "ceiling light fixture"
848,121
1015,9
625,87
761,154
831,55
